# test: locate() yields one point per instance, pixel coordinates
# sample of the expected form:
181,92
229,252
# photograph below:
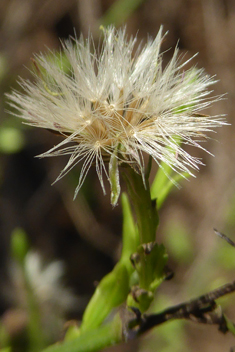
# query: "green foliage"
230,325
4,339
149,262
11,140
114,178
19,245
129,233
119,12
114,287
166,336
92,340
179,242
229,212
164,182
160,181
72,332
58,59
111,292
225,256
3,66
61,60
6,349
144,206
168,186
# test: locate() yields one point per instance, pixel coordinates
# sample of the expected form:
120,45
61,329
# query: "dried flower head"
114,105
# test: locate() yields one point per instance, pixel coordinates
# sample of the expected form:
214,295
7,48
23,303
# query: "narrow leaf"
114,178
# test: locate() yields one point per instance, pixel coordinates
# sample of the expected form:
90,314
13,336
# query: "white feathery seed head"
117,103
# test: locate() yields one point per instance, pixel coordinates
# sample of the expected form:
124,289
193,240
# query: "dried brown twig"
202,310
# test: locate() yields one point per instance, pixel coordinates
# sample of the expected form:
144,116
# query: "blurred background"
73,244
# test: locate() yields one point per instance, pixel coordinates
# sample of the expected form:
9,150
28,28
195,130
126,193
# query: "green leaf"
225,256
165,191
72,332
165,180
158,259
149,262
114,287
230,325
160,180
92,341
11,140
129,233
179,242
119,12
140,299
114,177
19,244
110,293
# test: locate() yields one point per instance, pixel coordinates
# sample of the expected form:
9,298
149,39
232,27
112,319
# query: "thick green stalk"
147,221
144,206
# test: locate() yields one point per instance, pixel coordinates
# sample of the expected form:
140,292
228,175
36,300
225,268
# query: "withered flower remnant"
118,103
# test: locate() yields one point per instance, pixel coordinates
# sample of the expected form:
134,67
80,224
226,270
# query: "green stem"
146,218
144,206
35,333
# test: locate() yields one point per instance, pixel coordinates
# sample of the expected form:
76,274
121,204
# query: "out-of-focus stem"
35,334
